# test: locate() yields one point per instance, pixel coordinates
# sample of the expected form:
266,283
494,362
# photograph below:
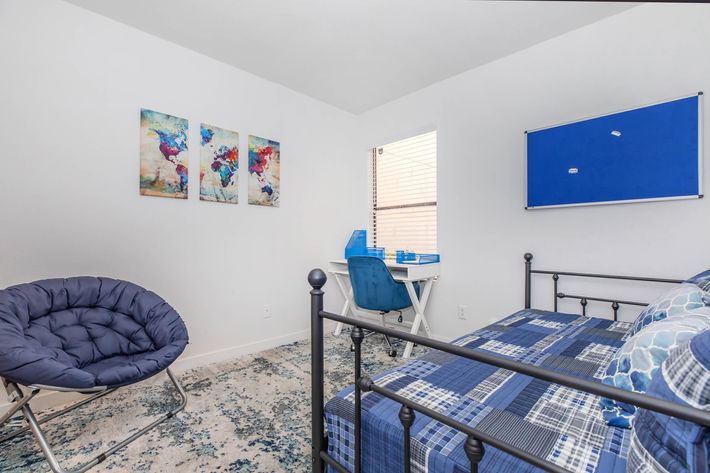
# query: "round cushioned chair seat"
84,332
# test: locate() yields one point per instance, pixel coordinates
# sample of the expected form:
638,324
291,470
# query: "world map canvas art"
219,164
264,171
163,171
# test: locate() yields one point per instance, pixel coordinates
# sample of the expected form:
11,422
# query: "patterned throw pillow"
660,443
679,299
637,361
702,280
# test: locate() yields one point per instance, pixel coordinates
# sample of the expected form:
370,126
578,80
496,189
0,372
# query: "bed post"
528,267
317,279
357,335
474,451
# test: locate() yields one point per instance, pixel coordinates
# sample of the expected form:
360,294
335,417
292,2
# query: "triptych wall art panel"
264,171
163,171
219,164
164,162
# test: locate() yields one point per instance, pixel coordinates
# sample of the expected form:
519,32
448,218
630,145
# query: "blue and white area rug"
250,414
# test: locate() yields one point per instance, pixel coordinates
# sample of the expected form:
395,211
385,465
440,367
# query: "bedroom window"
403,195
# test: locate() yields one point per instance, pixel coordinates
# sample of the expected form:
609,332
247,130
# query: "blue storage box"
407,257
357,246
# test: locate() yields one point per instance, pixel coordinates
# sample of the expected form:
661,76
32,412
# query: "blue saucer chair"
87,335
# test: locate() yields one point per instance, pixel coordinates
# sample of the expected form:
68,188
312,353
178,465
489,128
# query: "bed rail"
584,300
476,439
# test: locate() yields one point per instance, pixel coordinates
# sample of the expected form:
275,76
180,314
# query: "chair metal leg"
35,426
19,402
392,350
389,342
14,433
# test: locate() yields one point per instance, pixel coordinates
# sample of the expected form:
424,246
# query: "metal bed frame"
22,400
474,446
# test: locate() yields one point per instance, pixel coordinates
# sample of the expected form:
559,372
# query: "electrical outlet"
461,313
267,311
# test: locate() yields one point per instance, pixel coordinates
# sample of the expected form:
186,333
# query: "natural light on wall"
403,195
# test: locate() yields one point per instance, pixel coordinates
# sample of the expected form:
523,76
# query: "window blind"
403,195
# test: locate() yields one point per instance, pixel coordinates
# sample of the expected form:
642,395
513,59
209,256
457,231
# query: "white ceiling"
354,54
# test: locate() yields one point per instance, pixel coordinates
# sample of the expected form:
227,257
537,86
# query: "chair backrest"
374,288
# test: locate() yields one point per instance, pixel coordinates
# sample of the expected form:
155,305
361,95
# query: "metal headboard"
584,300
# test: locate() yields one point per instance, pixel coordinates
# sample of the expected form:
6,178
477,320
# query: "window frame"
374,208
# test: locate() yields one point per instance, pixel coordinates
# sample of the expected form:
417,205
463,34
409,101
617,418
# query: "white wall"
647,54
72,85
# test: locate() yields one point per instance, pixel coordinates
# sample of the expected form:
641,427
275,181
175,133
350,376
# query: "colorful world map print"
264,171
219,164
163,171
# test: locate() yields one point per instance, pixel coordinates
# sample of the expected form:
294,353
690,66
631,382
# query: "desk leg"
419,304
348,295
424,300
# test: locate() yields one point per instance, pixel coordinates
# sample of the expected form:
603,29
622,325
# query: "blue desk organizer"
406,257
357,246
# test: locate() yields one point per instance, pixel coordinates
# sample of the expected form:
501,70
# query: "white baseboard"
196,361
49,399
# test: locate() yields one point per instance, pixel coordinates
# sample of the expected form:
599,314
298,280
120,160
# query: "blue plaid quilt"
561,425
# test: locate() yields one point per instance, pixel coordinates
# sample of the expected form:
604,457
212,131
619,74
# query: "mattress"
559,424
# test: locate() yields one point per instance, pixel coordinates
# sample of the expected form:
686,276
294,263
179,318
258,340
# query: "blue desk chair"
375,290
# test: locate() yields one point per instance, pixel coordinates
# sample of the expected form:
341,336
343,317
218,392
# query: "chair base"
392,352
22,405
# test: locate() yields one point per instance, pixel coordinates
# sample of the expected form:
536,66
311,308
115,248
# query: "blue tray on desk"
406,257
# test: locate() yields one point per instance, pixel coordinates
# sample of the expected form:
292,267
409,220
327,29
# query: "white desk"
425,274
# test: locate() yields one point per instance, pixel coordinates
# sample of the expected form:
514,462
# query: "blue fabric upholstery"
374,287
666,443
79,333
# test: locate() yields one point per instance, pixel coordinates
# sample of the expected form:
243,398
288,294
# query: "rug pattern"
250,414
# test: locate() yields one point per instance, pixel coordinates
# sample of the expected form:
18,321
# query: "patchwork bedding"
561,425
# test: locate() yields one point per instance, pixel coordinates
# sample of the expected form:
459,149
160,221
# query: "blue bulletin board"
648,153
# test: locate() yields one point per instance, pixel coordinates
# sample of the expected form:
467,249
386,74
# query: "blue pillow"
679,299
702,280
637,361
666,443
